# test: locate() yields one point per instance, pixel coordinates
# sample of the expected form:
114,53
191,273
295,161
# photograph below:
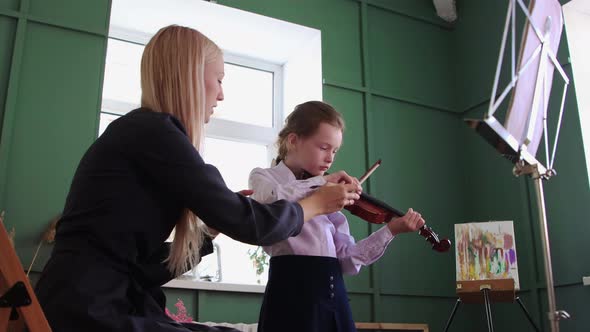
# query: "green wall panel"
55,121
9,4
229,307
361,307
419,150
410,59
91,15
339,22
7,33
478,35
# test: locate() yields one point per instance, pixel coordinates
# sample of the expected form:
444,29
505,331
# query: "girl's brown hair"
305,120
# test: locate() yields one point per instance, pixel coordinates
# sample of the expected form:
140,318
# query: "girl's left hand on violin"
410,222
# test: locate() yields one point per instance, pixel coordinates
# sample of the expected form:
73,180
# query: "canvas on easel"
485,257
486,250
16,294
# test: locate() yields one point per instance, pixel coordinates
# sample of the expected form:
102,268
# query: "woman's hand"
340,177
411,222
329,198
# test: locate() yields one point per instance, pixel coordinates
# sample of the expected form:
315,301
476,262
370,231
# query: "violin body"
375,211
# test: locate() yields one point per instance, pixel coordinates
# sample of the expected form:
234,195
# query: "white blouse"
325,235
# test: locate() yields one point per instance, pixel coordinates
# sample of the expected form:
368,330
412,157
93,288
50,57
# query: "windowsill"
191,283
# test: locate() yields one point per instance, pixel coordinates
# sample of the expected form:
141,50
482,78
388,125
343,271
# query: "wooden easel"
17,299
486,292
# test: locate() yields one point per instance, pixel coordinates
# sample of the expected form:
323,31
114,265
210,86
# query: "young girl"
305,290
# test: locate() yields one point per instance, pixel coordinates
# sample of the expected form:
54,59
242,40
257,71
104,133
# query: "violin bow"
369,172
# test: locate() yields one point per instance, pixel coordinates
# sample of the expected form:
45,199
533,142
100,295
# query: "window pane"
236,265
248,96
105,120
234,160
122,72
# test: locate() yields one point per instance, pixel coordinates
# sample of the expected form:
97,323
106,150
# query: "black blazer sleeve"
163,153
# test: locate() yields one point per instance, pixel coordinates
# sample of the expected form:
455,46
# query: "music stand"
17,299
526,120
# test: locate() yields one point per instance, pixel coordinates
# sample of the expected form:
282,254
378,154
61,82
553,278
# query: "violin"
375,211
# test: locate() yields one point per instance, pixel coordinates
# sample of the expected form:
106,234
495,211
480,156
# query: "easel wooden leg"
453,314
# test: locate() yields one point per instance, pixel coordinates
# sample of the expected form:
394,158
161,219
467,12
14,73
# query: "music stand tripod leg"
528,315
452,314
488,306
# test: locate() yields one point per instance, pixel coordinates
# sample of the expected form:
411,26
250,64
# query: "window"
267,71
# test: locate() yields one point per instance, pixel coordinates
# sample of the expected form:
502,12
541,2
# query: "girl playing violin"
305,290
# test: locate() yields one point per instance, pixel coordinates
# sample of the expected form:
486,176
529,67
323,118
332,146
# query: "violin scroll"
438,245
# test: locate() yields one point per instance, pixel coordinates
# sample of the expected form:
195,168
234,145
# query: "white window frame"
220,128
249,133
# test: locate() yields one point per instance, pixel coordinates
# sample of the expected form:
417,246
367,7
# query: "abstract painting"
486,250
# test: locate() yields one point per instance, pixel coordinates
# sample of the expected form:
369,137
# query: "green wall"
51,70
404,81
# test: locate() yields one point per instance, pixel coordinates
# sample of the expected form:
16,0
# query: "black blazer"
130,188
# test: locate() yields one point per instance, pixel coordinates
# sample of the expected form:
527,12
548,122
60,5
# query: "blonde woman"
143,177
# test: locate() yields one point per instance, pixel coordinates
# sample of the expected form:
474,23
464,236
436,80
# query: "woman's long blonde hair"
172,81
